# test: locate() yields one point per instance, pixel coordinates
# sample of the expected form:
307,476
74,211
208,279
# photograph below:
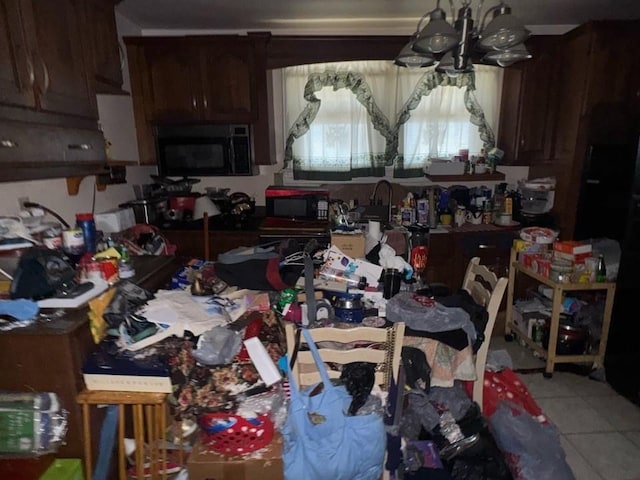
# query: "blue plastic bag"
321,442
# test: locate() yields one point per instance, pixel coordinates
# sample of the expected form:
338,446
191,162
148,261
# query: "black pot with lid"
148,210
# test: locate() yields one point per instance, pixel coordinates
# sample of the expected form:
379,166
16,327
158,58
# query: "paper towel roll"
374,230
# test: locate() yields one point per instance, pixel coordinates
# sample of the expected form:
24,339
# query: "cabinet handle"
32,73
5,143
45,72
204,101
193,102
522,141
79,146
122,56
482,246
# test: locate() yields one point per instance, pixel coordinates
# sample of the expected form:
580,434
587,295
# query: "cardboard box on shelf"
572,247
351,244
265,464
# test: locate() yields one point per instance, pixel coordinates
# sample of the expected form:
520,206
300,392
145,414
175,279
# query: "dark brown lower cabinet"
190,243
449,253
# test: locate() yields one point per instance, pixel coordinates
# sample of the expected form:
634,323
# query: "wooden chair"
382,346
486,289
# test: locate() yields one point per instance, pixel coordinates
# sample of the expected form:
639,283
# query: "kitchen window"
353,119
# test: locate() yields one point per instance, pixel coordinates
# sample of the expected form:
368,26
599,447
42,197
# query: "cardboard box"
352,245
572,247
264,464
577,258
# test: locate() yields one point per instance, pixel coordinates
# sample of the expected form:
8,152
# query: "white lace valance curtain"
353,118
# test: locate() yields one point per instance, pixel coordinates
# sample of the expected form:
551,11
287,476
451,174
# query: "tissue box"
116,220
444,167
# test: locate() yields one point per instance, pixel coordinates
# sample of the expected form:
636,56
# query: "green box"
64,469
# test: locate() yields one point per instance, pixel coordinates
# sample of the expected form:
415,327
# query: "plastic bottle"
601,270
125,267
87,224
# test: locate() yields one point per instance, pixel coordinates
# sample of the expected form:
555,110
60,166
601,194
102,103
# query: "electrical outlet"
21,202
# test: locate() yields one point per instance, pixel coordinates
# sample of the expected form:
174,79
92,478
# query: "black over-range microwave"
203,150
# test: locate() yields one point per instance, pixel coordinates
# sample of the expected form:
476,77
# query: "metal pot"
348,307
148,210
572,339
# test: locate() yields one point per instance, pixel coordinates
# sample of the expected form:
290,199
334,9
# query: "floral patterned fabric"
199,389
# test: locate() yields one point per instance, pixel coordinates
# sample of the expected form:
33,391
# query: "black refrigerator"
609,207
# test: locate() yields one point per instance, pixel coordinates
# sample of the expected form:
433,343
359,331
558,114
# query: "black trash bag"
127,300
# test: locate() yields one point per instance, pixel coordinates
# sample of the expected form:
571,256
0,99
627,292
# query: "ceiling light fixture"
502,38
408,57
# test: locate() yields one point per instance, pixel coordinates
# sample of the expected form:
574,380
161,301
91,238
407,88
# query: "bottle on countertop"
125,267
87,224
601,270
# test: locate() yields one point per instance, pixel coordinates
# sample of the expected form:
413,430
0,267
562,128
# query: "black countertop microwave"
203,150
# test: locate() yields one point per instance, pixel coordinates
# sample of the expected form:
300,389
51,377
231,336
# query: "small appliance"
535,203
291,206
203,150
149,211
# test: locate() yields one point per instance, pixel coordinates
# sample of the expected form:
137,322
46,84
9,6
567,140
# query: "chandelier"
500,40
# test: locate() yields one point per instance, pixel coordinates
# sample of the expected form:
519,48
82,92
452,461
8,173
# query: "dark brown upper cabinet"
48,110
528,104
199,79
550,104
106,55
55,53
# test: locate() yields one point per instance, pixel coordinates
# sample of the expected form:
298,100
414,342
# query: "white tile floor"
600,430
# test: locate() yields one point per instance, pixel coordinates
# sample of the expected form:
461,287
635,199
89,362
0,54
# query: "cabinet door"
528,106
16,67
55,41
441,262
105,51
227,80
174,86
538,106
573,65
493,248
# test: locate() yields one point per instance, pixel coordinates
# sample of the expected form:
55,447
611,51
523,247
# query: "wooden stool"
142,403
